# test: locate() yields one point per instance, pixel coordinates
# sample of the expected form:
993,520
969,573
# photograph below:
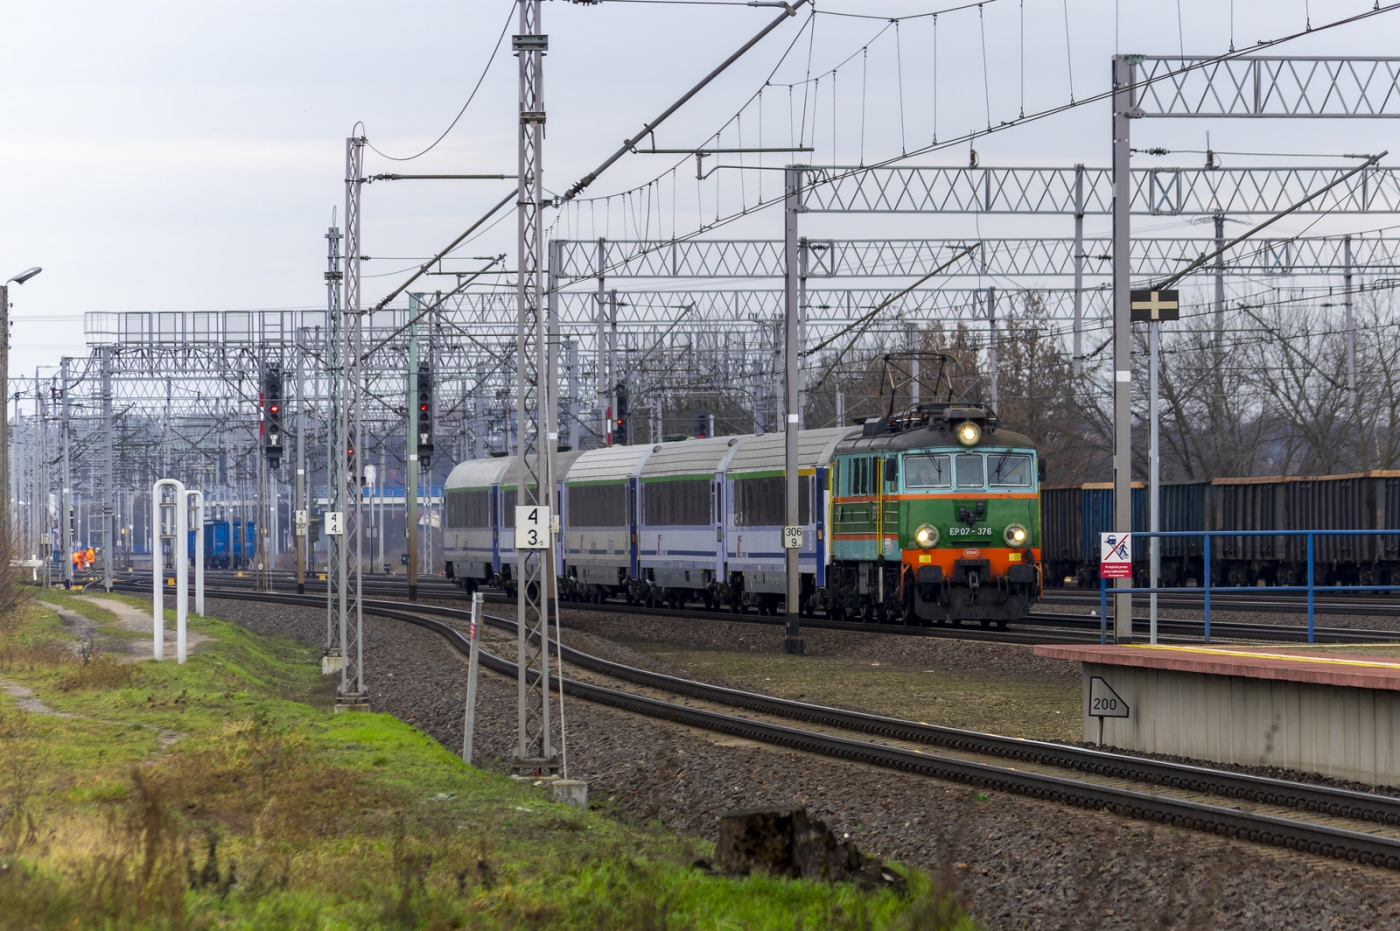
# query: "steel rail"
1315,838
1070,627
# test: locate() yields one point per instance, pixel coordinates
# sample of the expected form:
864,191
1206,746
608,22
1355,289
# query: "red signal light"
275,408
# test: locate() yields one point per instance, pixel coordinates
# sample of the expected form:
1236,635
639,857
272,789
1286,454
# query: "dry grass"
97,671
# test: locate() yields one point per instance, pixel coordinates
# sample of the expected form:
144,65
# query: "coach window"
969,470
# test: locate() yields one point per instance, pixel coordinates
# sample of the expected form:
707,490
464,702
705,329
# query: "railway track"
1036,628
1324,602
1327,821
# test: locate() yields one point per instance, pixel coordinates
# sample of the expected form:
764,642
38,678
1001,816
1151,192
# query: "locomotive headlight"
969,433
1015,535
926,536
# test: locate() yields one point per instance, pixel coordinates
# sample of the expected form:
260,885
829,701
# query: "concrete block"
572,792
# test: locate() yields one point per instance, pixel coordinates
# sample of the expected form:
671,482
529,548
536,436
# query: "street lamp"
21,278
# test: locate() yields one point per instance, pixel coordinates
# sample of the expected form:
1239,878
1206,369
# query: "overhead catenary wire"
1036,116
470,97
631,143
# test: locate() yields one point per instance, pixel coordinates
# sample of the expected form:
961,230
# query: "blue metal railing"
1206,588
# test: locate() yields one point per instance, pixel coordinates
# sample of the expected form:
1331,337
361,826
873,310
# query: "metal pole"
352,695
108,462
410,492
5,523
612,367
1220,287
535,744
605,398
299,523
474,638
66,502
1153,476
1352,396
379,532
992,344
803,254
1078,270
1122,335
334,655
575,432
792,642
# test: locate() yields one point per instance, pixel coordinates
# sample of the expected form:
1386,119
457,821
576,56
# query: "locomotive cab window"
927,472
1008,470
970,473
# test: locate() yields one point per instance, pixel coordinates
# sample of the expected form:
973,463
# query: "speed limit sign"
532,526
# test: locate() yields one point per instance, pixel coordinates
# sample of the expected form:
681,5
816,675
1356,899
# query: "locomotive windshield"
1009,470
927,472
970,473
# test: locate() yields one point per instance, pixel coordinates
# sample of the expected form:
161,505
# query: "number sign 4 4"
532,527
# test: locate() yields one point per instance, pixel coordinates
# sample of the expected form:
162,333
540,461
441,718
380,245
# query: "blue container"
1061,524
1098,518
217,550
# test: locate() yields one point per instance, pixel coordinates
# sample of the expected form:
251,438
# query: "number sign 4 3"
532,527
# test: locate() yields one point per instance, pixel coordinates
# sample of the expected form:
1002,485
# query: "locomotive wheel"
736,607
836,612
986,622
1001,625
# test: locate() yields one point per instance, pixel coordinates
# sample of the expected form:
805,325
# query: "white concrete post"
474,637
196,502
180,556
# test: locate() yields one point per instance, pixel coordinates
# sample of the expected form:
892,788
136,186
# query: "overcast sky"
188,156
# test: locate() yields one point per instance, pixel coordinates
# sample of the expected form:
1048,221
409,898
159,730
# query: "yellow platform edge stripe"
1214,651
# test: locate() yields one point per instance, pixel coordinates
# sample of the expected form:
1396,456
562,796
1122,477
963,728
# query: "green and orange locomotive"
935,517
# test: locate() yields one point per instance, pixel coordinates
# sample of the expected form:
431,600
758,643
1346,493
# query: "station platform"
1332,713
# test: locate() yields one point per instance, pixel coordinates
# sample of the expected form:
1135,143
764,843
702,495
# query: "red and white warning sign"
1115,555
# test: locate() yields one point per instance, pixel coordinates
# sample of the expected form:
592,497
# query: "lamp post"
21,278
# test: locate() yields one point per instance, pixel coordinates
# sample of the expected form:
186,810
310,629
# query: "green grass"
225,794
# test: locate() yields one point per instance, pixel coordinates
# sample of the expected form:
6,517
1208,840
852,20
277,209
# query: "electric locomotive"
935,518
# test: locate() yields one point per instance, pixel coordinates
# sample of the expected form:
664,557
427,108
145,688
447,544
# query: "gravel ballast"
1017,863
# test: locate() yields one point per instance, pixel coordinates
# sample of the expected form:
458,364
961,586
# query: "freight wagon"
1073,518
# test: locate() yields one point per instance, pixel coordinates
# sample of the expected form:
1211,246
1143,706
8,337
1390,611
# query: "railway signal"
424,415
704,424
272,402
621,428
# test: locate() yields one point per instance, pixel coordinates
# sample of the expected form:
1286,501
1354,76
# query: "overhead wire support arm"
395,177
789,10
423,269
1203,259
430,308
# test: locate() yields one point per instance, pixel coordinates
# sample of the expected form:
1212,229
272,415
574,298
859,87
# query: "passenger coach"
926,517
